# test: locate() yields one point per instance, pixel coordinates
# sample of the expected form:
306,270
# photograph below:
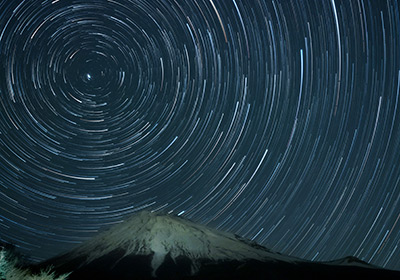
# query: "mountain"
155,246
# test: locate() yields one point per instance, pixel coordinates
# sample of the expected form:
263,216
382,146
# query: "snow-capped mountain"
151,245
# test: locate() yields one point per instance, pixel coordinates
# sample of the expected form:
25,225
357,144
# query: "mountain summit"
158,235
154,246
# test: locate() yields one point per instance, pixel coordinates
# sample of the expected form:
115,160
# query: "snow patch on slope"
350,261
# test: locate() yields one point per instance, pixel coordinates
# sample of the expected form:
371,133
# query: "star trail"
276,120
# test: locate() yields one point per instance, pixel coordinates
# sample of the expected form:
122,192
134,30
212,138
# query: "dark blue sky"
275,120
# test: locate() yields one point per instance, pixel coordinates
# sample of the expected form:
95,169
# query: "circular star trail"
275,120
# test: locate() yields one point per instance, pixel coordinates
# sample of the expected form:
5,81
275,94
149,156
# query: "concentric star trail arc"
276,120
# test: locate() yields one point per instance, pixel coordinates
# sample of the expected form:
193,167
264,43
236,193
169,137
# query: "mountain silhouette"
156,246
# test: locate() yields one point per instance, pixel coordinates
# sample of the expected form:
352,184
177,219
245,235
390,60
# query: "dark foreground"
117,267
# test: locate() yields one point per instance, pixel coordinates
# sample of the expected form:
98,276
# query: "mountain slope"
150,245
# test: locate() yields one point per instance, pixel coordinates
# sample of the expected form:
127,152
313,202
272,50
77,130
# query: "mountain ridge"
150,245
153,233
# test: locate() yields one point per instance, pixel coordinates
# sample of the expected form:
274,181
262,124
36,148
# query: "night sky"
276,120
